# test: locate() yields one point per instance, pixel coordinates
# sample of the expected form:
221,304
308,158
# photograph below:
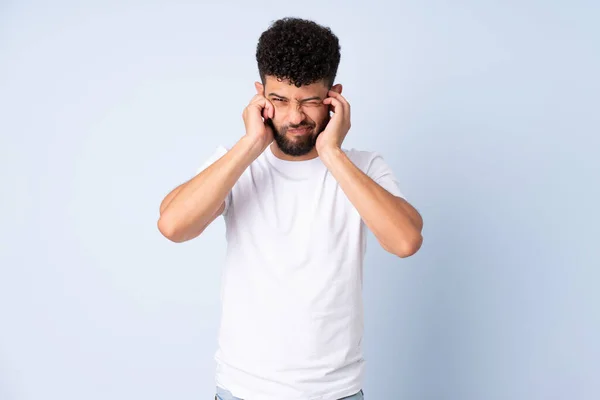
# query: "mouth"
299,131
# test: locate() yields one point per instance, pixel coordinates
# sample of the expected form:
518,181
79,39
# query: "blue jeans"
223,394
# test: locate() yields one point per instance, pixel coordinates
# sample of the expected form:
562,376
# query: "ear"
337,88
260,89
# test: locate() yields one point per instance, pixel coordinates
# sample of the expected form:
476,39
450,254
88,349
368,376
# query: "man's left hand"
332,137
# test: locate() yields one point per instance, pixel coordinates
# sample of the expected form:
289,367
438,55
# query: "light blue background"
488,112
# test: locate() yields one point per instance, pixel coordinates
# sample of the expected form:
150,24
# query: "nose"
296,116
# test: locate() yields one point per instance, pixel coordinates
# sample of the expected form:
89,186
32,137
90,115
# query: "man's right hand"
255,116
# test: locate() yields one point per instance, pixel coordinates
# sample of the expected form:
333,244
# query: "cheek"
278,122
324,118
317,115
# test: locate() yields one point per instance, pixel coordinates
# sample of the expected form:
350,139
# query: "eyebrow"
301,101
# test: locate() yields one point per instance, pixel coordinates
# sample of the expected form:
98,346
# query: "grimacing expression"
300,115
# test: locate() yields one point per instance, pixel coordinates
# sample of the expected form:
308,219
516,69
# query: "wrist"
329,153
254,147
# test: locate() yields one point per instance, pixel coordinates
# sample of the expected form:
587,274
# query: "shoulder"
363,159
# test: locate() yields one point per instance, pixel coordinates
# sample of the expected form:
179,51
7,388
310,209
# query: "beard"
298,145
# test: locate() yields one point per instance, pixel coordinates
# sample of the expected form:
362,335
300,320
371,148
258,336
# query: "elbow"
169,230
411,247
406,247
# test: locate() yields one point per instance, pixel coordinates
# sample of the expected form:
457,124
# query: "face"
300,115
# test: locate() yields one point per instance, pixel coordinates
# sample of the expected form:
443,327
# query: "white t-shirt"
291,295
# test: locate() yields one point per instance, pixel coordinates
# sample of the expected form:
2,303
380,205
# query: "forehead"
284,88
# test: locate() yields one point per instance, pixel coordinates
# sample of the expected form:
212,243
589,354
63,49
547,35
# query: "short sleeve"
219,152
382,174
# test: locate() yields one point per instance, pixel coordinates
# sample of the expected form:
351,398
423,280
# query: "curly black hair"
299,50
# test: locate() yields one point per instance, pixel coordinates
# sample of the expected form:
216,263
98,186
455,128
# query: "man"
296,207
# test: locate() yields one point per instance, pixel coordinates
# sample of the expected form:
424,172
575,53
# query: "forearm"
195,204
395,223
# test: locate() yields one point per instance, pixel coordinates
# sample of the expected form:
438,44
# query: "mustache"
302,125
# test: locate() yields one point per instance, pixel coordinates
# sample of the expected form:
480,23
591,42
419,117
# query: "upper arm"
381,172
173,193
218,153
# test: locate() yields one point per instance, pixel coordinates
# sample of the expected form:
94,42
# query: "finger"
338,96
258,99
337,105
263,105
258,102
268,107
255,98
340,112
